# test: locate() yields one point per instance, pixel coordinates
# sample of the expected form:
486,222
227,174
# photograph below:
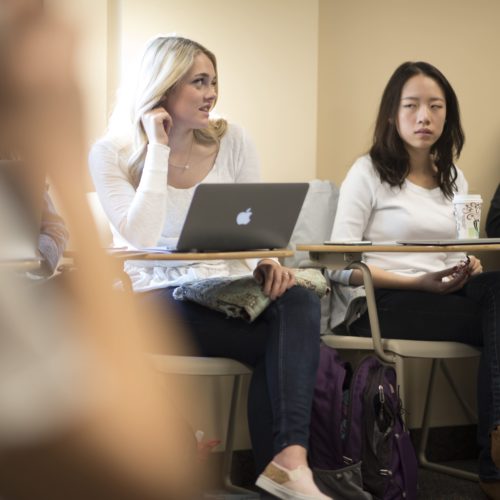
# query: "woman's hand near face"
157,124
274,278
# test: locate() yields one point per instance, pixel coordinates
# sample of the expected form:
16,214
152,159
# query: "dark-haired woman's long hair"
388,152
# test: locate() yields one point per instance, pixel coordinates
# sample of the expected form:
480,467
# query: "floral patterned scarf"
242,297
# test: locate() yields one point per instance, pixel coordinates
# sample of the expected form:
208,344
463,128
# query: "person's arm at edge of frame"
53,237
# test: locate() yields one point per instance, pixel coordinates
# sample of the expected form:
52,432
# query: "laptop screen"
245,216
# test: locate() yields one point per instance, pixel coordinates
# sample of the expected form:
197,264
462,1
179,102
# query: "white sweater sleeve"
354,207
356,201
138,215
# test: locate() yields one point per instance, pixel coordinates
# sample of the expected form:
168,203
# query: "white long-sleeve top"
369,209
154,213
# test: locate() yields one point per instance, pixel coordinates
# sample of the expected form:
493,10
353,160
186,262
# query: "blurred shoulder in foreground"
82,413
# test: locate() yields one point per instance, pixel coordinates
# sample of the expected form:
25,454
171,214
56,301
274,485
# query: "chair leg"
228,452
422,456
471,414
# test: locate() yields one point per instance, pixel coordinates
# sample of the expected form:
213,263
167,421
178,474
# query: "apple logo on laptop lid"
243,218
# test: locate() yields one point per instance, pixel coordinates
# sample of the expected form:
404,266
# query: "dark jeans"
282,346
471,316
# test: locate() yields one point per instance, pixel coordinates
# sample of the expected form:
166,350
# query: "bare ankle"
291,457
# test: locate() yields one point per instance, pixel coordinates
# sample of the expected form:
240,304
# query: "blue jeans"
470,315
282,346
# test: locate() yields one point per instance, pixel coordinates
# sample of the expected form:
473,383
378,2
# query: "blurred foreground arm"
53,237
91,418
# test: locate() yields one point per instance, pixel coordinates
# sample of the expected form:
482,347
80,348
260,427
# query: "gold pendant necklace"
186,166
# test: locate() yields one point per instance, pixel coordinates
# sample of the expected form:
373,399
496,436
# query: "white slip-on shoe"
296,484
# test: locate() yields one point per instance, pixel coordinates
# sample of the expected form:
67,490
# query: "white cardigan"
154,213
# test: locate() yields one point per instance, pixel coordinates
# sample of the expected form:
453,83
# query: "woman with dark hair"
389,153
403,190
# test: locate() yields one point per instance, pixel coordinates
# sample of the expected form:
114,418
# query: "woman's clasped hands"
451,279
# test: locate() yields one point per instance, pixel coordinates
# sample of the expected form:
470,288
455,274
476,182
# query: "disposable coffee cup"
467,211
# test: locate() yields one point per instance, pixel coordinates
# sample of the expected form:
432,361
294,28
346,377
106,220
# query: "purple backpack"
356,419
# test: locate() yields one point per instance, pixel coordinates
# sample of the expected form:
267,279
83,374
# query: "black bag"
345,483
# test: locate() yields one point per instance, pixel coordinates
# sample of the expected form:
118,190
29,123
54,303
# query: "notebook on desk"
450,242
21,192
235,217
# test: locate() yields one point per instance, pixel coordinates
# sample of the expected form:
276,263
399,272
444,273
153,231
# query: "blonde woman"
145,171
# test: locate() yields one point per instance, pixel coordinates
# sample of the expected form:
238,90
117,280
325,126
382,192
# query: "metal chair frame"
395,351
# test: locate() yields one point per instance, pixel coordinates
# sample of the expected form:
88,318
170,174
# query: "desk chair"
395,351
220,367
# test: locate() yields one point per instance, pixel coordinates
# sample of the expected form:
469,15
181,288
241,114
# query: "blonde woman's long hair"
165,61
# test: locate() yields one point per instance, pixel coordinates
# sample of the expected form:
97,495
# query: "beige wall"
90,20
267,56
268,65
361,43
305,76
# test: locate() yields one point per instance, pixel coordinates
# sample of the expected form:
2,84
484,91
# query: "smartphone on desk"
350,243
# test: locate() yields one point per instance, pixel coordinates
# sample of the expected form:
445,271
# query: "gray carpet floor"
436,486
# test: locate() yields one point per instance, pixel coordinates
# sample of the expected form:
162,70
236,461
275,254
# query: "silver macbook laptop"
250,216
449,242
22,191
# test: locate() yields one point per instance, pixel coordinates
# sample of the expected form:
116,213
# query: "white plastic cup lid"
464,198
